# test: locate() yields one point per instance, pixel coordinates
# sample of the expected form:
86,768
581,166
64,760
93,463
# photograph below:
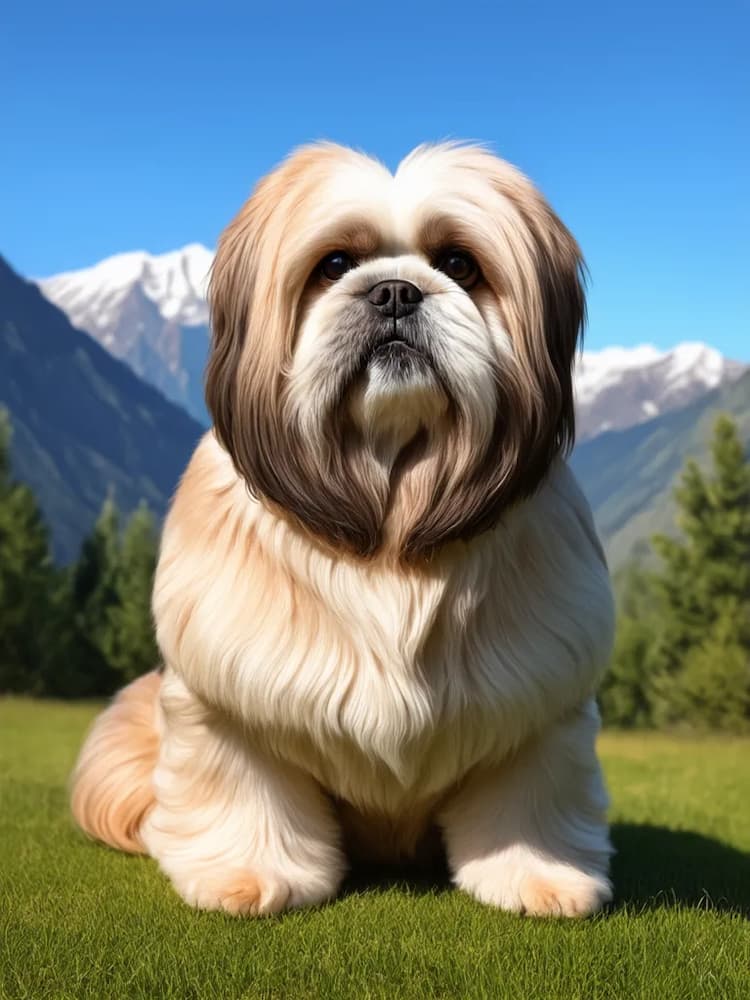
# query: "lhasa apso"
381,601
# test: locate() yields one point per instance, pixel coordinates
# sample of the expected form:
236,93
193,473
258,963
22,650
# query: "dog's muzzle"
396,347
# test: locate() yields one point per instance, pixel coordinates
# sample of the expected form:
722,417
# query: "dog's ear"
233,287
537,274
228,320
254,294
545,308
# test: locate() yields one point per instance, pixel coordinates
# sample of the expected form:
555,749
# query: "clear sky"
144,125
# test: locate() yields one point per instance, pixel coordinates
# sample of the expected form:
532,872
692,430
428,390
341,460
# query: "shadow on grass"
426,873
653,867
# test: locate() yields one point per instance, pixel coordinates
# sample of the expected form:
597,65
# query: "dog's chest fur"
387,685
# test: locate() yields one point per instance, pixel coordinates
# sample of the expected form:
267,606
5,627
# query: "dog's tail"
112,790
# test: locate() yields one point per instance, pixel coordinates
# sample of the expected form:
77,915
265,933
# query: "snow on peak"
619,386
175,281
688,362
697,360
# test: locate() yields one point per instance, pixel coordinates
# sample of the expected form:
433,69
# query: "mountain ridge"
621,387
629,475
149,311
84,424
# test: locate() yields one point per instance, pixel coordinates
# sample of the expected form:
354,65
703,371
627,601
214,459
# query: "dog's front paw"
241,893
247,893
566,893
535,887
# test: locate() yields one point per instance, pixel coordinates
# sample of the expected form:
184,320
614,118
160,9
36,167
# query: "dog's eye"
460,267
336,264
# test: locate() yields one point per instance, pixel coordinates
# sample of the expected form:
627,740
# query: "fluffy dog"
381,602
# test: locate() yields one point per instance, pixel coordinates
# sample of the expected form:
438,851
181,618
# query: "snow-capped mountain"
619,387
175,282
151,312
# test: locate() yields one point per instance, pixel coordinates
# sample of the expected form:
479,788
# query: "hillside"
83,422
629,475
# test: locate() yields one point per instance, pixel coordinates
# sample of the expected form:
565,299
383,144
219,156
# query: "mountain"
149,311
83,423
629,475
620,387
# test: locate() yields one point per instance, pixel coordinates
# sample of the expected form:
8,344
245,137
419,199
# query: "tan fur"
111,786
242,895
555,898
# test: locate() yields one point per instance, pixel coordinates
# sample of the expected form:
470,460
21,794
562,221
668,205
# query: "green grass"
79,921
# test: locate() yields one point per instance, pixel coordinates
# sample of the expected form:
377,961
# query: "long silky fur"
381,610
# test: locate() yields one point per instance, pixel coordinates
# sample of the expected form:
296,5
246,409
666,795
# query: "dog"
380,599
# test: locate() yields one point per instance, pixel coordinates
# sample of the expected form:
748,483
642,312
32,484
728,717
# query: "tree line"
682,649
75,631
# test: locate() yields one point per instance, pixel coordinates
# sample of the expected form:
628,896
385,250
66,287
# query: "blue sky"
128,126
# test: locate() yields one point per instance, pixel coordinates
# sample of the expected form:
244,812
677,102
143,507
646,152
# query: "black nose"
395,298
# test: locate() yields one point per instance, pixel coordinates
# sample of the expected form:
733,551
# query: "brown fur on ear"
111,786
549,325
544,308
253,315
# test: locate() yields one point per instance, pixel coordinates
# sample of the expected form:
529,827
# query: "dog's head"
391,358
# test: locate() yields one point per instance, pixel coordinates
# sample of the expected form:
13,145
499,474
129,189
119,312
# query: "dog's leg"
233,828
530,835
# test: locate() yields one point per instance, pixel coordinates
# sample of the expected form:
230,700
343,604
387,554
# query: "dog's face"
391,362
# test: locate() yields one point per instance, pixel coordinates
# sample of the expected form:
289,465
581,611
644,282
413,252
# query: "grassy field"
79,921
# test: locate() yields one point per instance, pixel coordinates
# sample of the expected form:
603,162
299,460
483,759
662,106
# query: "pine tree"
111,594
28,580
729,494
693,638
625,694
134,645
94,596
713,687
